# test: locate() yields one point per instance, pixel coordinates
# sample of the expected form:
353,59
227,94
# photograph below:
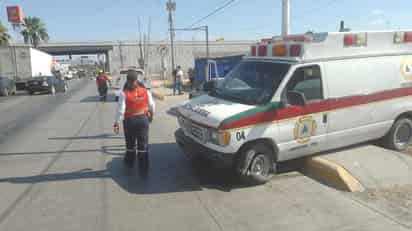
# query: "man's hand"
116,128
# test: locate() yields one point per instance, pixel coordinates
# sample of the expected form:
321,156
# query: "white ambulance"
299,95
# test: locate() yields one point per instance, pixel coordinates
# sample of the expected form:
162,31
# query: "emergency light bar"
355,40
262,50
276,50
402,37
279,50
289,38
333,45
295,50
253,51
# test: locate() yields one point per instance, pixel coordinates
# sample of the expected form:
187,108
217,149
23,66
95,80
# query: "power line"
212,13
225,5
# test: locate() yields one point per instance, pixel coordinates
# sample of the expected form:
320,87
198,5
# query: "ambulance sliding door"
349,84
305,133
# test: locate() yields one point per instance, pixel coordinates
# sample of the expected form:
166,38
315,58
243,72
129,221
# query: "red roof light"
408,37
349,40
253,51
295,50
262,51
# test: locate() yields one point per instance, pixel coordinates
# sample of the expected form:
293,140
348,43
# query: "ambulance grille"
193,129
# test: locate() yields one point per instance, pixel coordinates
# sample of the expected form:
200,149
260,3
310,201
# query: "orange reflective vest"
137,102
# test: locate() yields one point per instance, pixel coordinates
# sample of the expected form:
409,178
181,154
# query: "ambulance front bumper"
192,148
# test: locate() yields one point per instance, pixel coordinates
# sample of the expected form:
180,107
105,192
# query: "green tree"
34,31
4,36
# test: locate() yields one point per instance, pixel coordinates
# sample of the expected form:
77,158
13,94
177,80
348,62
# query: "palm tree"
4,36
34,31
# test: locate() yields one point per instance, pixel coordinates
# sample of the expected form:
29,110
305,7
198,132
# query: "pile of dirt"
396,201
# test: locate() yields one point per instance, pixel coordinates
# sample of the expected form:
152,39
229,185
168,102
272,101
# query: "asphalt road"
61,169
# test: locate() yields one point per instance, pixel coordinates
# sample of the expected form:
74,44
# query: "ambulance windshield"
251,82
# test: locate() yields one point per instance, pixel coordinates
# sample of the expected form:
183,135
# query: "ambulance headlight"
221,138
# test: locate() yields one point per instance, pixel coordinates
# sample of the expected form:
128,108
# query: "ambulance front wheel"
400,135
255,163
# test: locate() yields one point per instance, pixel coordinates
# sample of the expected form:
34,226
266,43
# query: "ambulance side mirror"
296,98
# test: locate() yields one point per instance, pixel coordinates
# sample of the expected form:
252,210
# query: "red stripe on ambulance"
318,107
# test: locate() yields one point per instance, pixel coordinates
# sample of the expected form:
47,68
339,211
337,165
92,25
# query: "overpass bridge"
126,53
76,48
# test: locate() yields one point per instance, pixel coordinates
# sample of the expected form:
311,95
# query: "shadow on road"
76,175
95,99
109,150
96,137
170,171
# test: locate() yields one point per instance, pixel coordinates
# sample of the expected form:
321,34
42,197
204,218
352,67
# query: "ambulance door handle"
325,118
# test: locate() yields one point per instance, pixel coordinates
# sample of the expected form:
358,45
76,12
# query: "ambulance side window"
308,81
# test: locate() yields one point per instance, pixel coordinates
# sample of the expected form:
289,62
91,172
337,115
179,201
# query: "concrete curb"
331,174
157,95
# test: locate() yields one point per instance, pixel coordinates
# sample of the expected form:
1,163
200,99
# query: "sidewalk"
160,91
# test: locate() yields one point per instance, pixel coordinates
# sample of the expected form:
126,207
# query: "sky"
108,20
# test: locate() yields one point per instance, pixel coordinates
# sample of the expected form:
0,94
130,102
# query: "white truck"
24,62
119,81
299,95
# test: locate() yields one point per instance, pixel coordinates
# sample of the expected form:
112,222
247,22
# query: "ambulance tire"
254,163
5,92
400,135
52,90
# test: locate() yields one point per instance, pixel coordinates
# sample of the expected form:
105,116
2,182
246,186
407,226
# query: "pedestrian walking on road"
136,107
174,72
102,85
191,74
178,84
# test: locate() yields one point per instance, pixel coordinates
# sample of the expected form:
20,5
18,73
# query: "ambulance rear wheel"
52,90
255,164
5,92
400,135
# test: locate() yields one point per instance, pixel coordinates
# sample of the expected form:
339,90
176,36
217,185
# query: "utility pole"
285,17
171,7
207,41
147,52
140,60
121,54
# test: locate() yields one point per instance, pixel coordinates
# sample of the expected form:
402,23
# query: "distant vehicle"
118,82
204,88
218,67
7,86
81,74
49,84
31,63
